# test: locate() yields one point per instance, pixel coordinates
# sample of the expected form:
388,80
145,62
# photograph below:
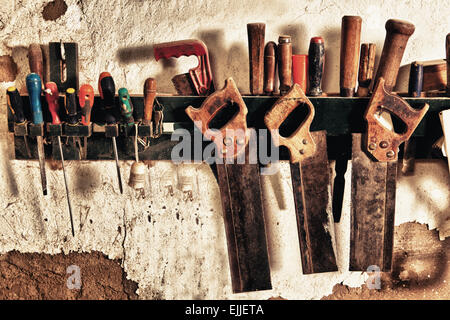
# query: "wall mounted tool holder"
340,117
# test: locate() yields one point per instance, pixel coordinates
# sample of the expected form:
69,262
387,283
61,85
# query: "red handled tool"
52,96
199,79
86,100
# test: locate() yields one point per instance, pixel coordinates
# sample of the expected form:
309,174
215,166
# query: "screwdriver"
70,103
15,104
107,89
52,96
34,88
86,99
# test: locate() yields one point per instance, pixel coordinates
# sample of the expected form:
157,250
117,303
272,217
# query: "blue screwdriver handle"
34,87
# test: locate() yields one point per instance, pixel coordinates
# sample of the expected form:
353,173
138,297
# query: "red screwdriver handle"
201,75
52,96
86,99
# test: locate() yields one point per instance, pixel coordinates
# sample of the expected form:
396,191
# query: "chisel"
149,99
256,33
349,57
310,181
86,100
366,68
70,104
284,55
350,40
240,190
316,61
414,90
374,166
270,65
34,88
15,104
107,89
52,96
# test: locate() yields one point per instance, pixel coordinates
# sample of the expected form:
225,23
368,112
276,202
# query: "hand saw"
374,172
310,181
240,190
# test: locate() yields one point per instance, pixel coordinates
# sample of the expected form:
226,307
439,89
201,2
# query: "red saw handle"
201,75
52,96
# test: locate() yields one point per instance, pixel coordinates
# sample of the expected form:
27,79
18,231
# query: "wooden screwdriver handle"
256,33
397,35
447,50
149,99
35,60
350,40
270,64
285,63
366,67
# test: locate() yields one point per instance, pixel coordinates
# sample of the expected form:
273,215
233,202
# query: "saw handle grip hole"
223,116
390,120
291,123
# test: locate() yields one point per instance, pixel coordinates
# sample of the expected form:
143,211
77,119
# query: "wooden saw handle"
256,32
350,40
397,35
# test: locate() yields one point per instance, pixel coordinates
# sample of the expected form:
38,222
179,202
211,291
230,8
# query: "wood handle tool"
310,181
270,65
240,189
256,33
397,35
447,52
149,100
350,40
86,101
52,97
285,63
36,60
366,68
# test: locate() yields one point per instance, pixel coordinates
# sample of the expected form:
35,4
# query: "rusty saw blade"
374,173
310,180
240,190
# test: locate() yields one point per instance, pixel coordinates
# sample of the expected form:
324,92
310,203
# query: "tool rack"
338,116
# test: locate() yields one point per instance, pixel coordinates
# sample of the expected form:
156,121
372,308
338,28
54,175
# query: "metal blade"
311,185
41,156
372,212
119,177
243,211
65,183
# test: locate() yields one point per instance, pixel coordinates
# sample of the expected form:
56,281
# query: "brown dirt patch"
420,269
54,10
42,276
8,69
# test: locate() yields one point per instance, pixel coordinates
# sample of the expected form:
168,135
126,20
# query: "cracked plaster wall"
172,247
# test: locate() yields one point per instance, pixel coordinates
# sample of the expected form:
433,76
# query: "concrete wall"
172,247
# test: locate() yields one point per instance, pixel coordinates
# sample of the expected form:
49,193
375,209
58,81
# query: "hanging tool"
350,40
434,75
366,67
316,60
284,63
15,104
270,65
240,190
63,58
107,89
373,182
126,106
86,101
72,122
52,97
34,87
199,79
35,60
310,181
414,90
146,126
138,169
447,53
349,57
256,33
300,70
